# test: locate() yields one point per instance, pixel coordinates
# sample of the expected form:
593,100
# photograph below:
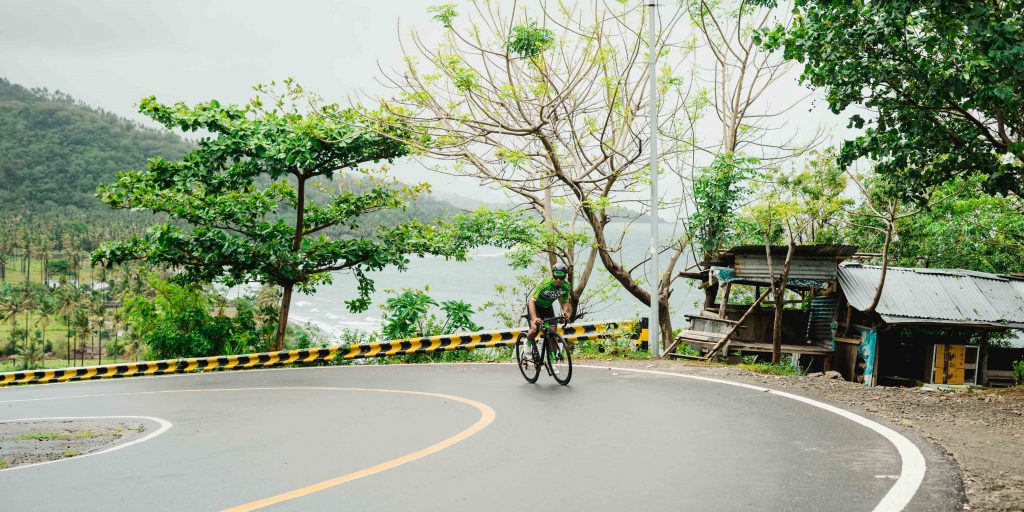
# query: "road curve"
470,437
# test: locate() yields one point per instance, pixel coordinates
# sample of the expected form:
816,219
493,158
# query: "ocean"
474,282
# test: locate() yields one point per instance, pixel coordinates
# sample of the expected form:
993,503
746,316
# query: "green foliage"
307,336
236,234
444,13
529,41
941,78
407,315
619,346
963,228
716,191
818,191
243,196
410,314
772,369
55,150
31,352
1018,372
177,323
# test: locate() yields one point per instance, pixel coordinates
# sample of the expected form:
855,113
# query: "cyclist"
540,305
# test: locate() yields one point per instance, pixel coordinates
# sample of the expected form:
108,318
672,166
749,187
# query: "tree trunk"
664,321
282,321
885,269
725,300
780,304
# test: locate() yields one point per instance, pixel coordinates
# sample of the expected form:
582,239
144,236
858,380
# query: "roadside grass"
608,349
772,369
3,463
56,436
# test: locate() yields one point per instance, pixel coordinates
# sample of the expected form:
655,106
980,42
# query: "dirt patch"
29,442
983,431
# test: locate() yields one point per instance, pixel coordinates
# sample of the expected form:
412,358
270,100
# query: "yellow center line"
486,417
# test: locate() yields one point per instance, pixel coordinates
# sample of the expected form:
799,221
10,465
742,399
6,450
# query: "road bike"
553,354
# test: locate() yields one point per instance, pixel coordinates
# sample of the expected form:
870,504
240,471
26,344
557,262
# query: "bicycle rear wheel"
559,359
526,363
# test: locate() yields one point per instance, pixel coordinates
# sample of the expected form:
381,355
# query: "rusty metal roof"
936,296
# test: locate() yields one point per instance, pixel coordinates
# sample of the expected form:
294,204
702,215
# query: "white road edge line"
913,463
164,427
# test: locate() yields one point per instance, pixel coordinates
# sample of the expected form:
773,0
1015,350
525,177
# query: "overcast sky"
111,53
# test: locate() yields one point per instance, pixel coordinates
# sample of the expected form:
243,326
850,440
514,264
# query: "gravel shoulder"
983,431
34,441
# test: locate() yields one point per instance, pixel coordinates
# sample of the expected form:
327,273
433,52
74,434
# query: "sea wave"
336,326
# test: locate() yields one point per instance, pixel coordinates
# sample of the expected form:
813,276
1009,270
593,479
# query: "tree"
552,109
243,196
941,80
68,297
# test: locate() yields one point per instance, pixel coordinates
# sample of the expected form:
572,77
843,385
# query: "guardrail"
408,346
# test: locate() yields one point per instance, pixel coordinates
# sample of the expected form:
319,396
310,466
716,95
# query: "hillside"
56,150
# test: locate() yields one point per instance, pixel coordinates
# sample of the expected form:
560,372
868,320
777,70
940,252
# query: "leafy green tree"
410,313
964,227
176,322
942,81
717,192
243,194
775,212
407,314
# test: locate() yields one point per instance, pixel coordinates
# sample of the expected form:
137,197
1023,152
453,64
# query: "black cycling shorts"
544,312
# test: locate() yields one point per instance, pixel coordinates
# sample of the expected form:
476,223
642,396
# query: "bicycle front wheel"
526,362
558,359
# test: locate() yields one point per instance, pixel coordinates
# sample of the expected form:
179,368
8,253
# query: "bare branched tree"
550,105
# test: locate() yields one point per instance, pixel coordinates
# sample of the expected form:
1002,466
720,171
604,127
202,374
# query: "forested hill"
55,150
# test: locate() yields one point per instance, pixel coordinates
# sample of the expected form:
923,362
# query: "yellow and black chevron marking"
263,360
467,341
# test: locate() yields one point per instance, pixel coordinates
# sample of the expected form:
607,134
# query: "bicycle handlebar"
564,320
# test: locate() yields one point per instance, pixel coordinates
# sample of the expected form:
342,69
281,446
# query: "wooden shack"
732,324
929,326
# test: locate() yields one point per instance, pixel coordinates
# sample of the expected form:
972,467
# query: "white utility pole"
655,326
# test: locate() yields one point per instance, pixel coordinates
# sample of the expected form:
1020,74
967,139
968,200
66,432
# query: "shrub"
410,314
773,369
177,323
1018,371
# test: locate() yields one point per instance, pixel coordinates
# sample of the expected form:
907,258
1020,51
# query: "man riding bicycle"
540,305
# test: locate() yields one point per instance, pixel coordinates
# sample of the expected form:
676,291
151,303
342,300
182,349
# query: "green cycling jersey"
547,292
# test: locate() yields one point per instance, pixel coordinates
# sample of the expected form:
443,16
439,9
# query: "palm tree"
12,303
67,300
48,308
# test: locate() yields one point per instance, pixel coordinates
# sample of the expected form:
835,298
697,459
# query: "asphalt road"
473,438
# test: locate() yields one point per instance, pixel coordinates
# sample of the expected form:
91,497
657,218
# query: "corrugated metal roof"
754,267
936,296
800,250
